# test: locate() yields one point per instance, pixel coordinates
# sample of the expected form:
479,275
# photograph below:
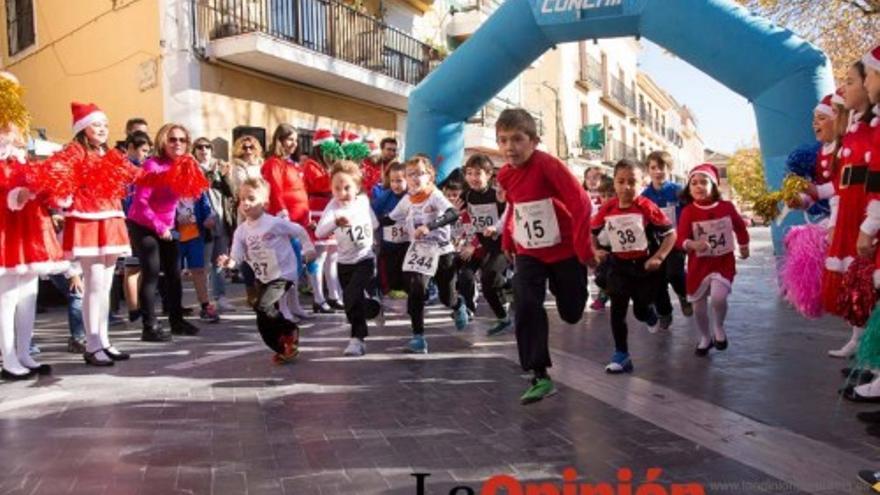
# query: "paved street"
211,414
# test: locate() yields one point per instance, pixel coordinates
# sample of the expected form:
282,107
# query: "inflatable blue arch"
782,75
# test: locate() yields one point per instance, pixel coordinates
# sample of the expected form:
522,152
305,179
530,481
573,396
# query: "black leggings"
671,273
530,285
155,255
391,265
628,281
418,283
356,279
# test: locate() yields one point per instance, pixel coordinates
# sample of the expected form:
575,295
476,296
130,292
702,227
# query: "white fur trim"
867,157
12,199
834,203
847,152
706,283
95,215
88,120
824,109
86,252
838,265
871,61
37,268
871,223
875,122
827,148
876,279
65,202
825,191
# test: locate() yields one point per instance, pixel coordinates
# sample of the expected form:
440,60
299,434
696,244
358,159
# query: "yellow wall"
100,51
228,101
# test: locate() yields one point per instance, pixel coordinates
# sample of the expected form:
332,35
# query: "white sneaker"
653,328
224,305
356,347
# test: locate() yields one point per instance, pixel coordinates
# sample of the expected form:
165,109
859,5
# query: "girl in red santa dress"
94,227
849,206
28,246
706,230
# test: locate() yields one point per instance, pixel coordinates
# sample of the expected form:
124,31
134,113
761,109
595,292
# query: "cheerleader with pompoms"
28,246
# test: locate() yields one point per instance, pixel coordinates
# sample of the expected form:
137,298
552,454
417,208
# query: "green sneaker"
500,327
397,294
541,387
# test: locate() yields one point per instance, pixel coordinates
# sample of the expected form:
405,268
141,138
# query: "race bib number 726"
535,224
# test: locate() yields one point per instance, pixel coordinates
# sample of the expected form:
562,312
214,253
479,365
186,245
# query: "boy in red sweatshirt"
547,235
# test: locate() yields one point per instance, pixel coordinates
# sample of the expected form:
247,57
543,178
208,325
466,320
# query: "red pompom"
184,178
56,176
107,176
857,297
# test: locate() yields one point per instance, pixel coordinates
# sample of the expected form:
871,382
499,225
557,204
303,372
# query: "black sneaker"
155,333
665,321
872,417
76,346
322,309
183,327
333,303
870,478
687,308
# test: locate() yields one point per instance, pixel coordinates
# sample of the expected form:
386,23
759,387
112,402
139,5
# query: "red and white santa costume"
324,267
824,173
710,273
28,249
94,226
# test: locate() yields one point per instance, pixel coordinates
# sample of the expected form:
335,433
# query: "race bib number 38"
626,233
422,257
718,234
535,224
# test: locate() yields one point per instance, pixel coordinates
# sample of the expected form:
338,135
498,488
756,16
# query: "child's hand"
309,256
466,252
698,246
830,235
75,284
166,236
342,221
865,245
458,204
600,255
24,196
224,261
421,231
744,251
653,264
210,223
490,231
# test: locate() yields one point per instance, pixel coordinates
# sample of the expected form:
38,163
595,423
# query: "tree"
844,29
745,173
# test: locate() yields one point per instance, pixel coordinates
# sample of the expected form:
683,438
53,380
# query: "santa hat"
826,106
706,169
350,137
371,142
837,97
84,115
322,136
872,59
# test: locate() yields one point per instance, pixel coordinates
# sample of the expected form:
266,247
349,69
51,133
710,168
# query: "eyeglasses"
416,174
247,147
204,147
175,140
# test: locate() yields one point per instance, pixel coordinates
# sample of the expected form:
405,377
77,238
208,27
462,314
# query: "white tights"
18,304
716,296
97,281
326,260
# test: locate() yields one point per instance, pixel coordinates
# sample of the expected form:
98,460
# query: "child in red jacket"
547,233
706,231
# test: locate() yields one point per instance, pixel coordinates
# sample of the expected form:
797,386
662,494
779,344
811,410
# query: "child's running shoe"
687,308
870,478
209,314
541,387
620,363
460,315
417,345
397,294
500,327
665,322
597,305
356,347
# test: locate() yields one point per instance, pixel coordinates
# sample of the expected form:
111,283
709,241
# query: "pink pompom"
800,277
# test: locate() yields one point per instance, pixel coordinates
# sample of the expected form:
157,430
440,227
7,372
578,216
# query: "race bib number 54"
718,234
535,224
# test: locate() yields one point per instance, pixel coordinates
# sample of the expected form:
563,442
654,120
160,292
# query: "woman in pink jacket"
151,222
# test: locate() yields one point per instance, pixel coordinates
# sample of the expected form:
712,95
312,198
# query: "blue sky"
725,120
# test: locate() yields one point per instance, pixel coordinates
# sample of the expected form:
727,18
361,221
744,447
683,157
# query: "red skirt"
106,236
842,252
28,242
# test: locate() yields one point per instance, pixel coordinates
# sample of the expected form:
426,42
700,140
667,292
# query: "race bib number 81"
395,233
718,234
626,233
535,224
422,257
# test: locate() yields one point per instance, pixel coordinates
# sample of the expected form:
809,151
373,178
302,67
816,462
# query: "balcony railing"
618,149
488,115
591,71
621,94
325,26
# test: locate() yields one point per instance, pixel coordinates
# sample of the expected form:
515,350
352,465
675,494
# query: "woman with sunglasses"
151,221
223,204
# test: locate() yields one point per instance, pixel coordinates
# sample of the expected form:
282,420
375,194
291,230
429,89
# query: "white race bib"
422,257
483,216
669,211
535,225
264,263
626,233
395,233
717,233
354,237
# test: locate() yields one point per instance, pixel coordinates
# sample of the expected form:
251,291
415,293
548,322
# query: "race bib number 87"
535,224
718,234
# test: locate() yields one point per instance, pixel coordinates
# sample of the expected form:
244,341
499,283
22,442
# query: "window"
19,25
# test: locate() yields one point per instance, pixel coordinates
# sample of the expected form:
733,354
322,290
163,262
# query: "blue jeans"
74,306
